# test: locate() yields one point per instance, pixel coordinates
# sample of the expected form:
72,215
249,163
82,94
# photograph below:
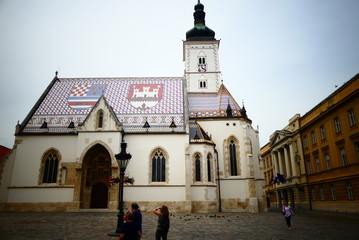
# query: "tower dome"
200,32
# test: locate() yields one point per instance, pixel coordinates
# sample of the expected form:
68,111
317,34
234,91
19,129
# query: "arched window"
202,84
158,166
209,169
50,166
100,119
233,158
198,167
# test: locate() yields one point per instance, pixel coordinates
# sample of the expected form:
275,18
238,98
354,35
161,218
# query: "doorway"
99,196
96,171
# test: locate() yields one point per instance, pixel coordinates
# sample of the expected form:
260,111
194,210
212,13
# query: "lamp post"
122,159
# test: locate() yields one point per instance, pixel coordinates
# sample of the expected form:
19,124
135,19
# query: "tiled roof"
133,100
197,134
212,104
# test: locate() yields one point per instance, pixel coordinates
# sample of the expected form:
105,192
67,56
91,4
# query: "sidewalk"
224,226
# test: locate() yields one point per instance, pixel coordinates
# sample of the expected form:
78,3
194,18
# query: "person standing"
287,213
129,229
163,222
135,209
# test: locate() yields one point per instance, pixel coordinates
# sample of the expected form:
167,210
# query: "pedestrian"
129,229
137,215
163,222
287,212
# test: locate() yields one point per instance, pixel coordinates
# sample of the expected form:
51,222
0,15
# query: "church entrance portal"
96,172
99,195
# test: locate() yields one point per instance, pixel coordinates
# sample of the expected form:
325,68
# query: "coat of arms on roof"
145,96
85,95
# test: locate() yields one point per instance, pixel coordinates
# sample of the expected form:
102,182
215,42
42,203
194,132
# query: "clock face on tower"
202,67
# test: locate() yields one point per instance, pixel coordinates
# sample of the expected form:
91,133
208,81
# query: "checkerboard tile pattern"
55,108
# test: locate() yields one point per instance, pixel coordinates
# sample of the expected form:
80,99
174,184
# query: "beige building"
284,167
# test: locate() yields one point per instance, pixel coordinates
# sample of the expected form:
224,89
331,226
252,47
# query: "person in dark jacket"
163,222
135,209
129,229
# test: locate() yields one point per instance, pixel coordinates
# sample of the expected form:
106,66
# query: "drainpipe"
218,183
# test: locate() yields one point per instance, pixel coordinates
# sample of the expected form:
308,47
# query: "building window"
314,138
327,161
305,139
351,117
202,60
313,194
100,119
202,84
350,190
337,125
158,166
322,197
332,191
233,158
198,167
322,132
50,167
209,169
202,65
357,149
309,166
343,157
317,163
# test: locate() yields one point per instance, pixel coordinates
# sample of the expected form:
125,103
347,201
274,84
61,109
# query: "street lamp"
122,159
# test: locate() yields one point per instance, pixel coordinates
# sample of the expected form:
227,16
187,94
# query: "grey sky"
280,57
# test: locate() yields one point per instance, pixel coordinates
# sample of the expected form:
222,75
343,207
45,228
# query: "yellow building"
330,137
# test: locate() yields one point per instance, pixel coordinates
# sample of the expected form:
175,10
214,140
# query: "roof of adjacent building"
157,100
4,151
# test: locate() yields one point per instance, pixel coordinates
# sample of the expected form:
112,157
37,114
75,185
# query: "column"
280,162
292,159
286,160
274,159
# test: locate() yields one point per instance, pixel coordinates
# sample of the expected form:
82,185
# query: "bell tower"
200,54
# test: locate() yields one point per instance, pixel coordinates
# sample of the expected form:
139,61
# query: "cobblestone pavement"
96,225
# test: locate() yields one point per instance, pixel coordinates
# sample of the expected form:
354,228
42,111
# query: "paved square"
224,226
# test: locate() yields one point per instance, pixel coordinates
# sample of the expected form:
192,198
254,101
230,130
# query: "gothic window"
50,164
100,119
198,167
209,168
158,166
233,158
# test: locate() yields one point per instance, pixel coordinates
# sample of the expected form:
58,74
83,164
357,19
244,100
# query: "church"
192,146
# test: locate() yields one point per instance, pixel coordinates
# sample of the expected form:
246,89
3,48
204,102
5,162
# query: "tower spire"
200,32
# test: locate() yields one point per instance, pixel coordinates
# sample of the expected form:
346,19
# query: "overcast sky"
280,57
